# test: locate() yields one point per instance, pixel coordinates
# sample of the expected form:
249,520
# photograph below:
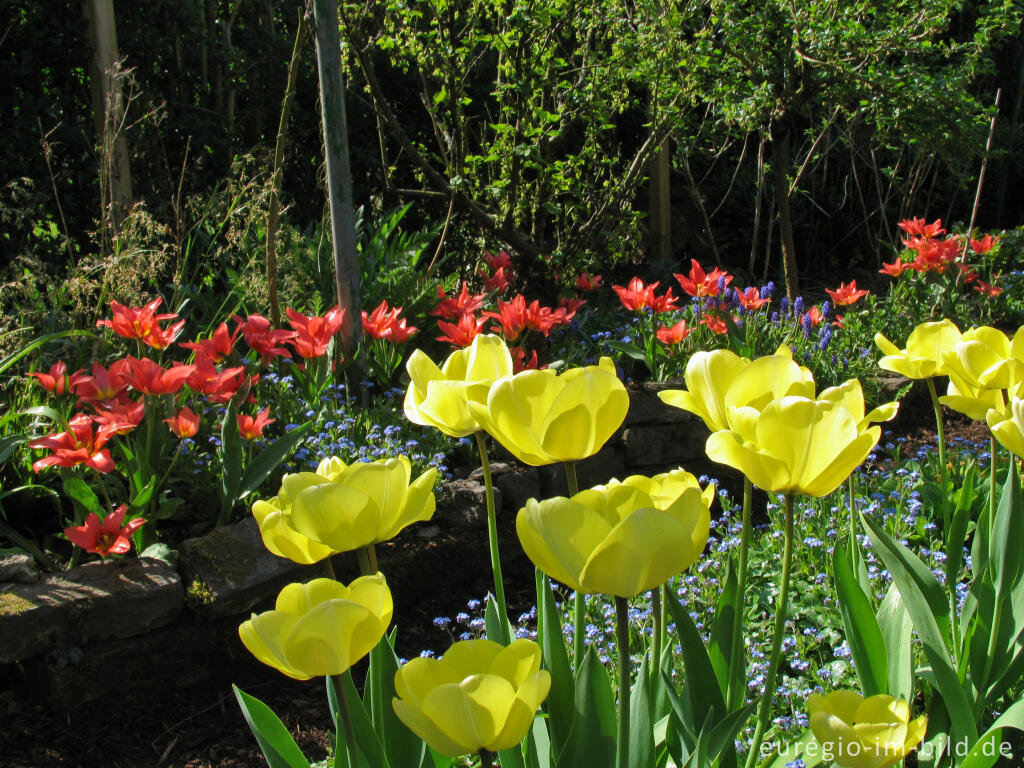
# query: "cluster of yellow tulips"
621,539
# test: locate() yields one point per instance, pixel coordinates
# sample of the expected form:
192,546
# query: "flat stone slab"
228,571
645,407
680,443
94,602
467,506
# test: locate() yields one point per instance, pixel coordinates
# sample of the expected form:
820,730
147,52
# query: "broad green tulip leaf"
402,746
556,660
926,603
83,497
721,737
1006,547
720,649
144,494
956,533
867,645
269,458
641,729
701,691
896,627
230,458
538,746
986,750
679,735
370,749
799,750
591,742
498,629
277,744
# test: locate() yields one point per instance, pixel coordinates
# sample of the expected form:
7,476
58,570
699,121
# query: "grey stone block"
466,507
228,571
667,444
94,602
595,470
645,407
18,569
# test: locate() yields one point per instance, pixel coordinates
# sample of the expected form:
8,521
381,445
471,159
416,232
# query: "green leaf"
8,445
722,736
15,356
865,638
142,498
538,746
919,590
896,627
1006,548
497,630
268,459
403,747
805,748
592,739
83,497
956,535
701,692
987,749
160,551
720,648
277,744
630,350
559,704
368,746
641,729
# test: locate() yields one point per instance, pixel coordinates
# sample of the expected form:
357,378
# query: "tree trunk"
780,168
108,112
339,177
661,205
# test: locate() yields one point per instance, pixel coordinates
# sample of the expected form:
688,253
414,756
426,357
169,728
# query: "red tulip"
108,537
674,334
143,323
252,429
512,317
846,294
586,282
750,299
313,334
74,447
635,296
150,378
700,284
56,381
218,346
454,307
185,423
265,340
461,334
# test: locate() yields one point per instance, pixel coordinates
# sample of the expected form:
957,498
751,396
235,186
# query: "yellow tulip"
620,539
438,397
479,695
708,376
972,401
348,507
864,733
795,445
984,359
851,396
925,352
1008,428
280,538
542,418
320,628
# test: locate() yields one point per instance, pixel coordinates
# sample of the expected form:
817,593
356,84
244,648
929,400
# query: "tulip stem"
346,722
486,759
854,546
939,428
736,648
580,603
367,557
492,537
622,645
658,613
764,708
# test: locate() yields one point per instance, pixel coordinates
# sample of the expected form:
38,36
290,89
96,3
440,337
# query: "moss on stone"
199,593
12,604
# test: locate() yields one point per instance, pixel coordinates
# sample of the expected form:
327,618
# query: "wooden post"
339,177
661,205
108,111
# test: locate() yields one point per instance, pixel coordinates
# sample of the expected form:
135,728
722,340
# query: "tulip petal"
264,636
471,657
529,696
644,550
336,515
417,722
419,505
472,712
558,536
764,471
332,636
284,541
517,662
419,676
